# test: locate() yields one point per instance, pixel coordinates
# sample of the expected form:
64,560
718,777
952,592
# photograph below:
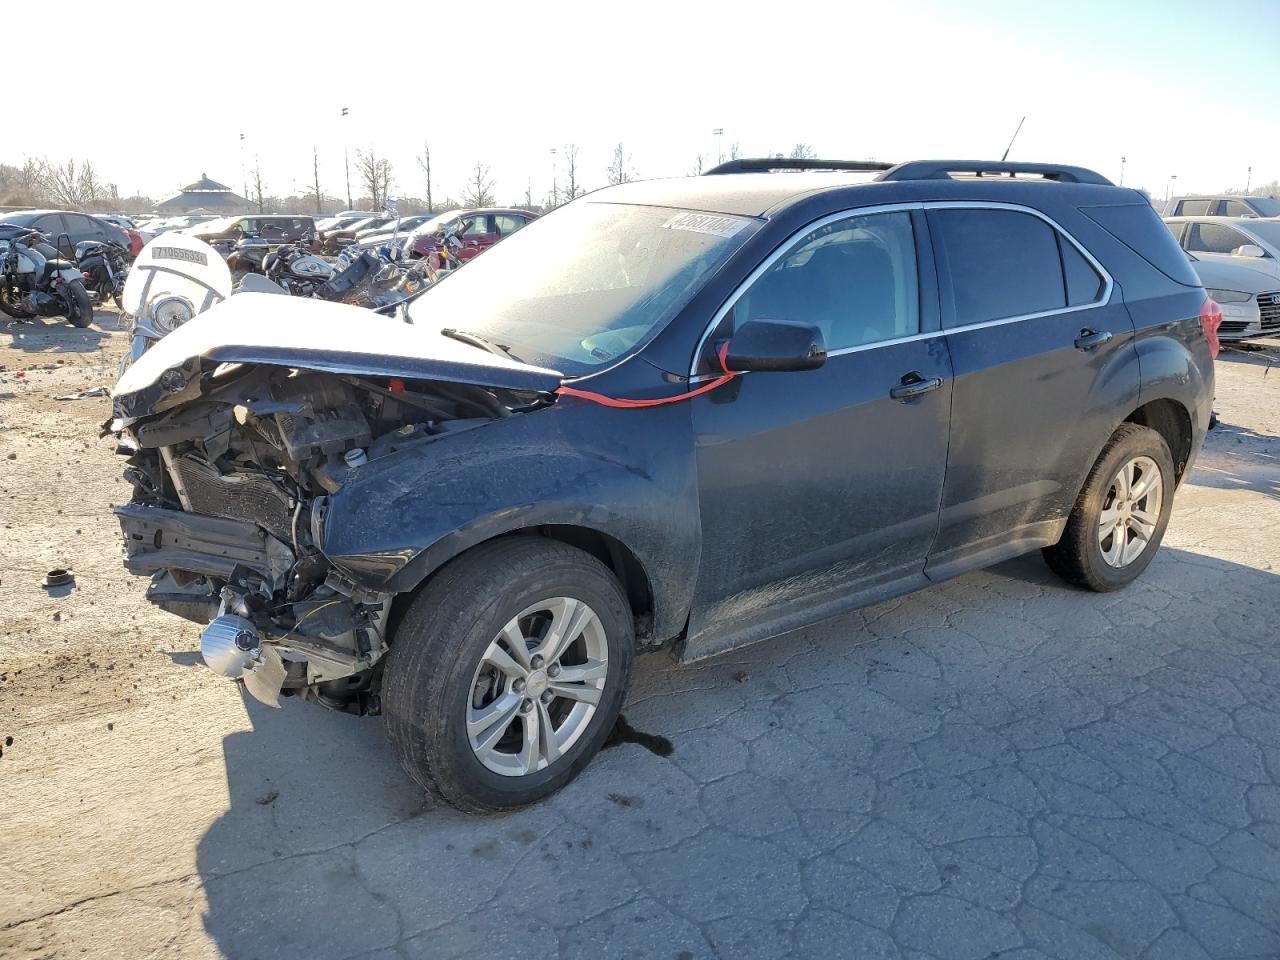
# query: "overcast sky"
1177,87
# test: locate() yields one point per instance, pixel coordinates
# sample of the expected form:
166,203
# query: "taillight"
1210,321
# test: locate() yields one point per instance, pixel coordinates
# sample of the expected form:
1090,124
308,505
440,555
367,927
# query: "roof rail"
943,169
765,164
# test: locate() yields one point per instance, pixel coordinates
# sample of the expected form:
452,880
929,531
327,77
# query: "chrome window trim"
1103,299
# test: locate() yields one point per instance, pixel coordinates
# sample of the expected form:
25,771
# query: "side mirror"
1251,250
776,345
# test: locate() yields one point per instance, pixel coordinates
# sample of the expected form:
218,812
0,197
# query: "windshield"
1269,233
1267,206
584,286
429,226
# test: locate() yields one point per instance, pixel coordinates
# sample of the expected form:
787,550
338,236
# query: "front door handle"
1089,339
913,385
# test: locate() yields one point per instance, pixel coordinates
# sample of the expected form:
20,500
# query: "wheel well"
1171,420
613,553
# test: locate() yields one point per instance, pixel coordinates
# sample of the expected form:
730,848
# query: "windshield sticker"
180,253
711,224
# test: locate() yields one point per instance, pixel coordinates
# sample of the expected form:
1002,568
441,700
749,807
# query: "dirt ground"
113,767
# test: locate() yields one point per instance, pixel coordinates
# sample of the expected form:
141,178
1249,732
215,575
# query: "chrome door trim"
1103,299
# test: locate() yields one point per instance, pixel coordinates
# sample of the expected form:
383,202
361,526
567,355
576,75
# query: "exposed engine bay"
230,486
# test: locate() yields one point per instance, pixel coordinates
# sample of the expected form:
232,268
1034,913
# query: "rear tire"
1119,519
442,681
79,306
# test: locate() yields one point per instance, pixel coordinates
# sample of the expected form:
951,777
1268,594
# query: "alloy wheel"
536,687
1130,511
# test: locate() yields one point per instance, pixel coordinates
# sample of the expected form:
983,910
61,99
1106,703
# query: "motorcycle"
36,282
294,267
174,278
103,266
245,255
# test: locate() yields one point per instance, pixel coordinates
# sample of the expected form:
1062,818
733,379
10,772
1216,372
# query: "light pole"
1122,161
1169,186
1248,180
244,176
555,189
718,133
346,162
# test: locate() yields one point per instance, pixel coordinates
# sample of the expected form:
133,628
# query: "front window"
586,285
1214,238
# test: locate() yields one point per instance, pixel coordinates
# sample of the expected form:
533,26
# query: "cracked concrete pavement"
1000,766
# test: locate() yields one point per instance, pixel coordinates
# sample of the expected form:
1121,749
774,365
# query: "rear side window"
1234,208
1195,208
1140,229
1009,264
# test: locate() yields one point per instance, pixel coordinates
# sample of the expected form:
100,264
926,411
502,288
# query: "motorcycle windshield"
177,265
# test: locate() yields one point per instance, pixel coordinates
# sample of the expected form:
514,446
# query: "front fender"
629,474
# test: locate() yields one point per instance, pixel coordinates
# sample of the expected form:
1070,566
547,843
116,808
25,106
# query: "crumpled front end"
230,485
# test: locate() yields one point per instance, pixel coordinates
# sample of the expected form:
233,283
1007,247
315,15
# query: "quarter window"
1234,208
1009,264
855,280
1214,238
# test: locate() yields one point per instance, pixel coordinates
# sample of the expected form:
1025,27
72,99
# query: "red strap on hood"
625,404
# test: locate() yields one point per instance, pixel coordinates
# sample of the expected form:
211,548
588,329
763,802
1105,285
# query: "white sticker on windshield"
712,224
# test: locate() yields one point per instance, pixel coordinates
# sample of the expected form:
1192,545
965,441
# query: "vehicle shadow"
328,850
50,334
1237,458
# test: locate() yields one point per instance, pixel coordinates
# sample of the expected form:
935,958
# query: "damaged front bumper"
320,645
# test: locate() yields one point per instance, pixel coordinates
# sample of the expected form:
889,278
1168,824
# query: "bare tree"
479,190
571,170
375,175
92,190
424,161
698,163
620,169
60,183
255,193
735,150
802,151
528,194
315,170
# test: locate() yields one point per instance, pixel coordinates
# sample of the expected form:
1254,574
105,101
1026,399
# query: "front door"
1035,338
820,488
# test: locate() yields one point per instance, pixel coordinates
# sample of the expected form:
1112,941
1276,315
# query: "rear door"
1035,337
821,485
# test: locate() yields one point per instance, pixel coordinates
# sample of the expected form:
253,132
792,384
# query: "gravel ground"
999,766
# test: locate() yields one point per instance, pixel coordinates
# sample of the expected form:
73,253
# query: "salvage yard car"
691,413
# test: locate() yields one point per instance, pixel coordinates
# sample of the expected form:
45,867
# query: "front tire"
1119,519
79,306
507,673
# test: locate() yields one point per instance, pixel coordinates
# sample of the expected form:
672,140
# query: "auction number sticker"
712,224
180,253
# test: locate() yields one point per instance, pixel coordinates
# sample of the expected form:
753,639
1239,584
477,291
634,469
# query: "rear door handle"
1089,339
913,385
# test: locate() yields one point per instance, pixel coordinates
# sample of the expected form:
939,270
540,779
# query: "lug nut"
553,670
537,662
547,697
517,684
526,706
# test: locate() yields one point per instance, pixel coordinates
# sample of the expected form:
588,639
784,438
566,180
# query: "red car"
477,229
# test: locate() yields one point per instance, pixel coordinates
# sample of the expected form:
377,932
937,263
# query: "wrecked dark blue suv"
692,412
